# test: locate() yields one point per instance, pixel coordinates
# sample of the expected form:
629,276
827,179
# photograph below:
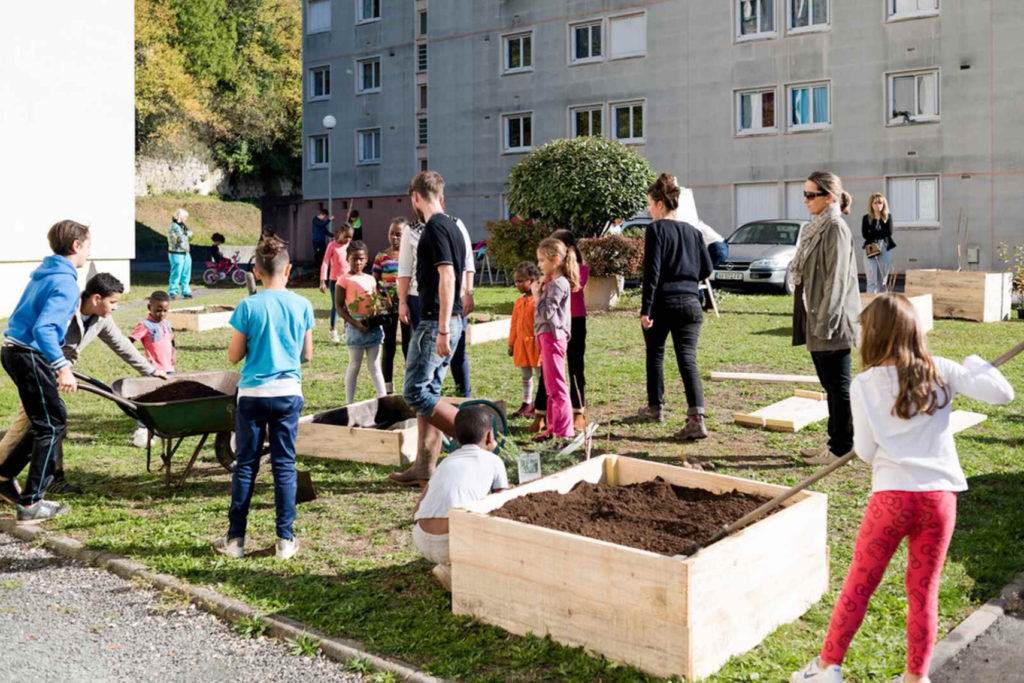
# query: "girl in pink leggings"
901,406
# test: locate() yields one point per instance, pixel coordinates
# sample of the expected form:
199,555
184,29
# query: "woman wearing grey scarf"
827,304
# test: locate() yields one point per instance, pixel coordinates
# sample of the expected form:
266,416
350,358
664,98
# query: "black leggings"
387,362
681,317
575,356
833,368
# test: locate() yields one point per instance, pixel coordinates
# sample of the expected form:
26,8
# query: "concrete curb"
971,628
230,609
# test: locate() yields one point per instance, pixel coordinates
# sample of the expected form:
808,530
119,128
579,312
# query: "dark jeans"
681,317
40,448
319,249
719,251
460,365
331,284
257,419
387,362
414,313
575,359
833,368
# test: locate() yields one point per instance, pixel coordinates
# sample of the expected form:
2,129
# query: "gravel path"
62,621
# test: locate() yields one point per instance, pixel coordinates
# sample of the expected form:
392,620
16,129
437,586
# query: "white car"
759,254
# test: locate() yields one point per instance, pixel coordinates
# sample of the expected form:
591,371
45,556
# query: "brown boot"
418,474
579,421
540,422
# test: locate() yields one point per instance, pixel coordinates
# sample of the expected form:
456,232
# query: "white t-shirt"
407,254
708,233
465,476
917,454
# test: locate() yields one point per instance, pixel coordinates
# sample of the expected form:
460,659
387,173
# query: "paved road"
997,655
62,621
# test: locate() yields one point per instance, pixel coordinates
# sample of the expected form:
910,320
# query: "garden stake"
817,476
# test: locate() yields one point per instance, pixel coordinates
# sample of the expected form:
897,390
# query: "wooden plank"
194,319
480,333
816,395
764,377
960,420
788,415
922,306
970,295
375,446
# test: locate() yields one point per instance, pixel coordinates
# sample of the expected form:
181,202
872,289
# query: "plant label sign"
529,467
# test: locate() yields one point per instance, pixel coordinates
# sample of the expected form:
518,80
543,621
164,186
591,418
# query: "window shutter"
628,35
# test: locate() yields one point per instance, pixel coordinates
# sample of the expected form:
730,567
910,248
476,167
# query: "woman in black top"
675,263
876,229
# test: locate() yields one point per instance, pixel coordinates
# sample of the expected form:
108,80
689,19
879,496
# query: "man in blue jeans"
440,263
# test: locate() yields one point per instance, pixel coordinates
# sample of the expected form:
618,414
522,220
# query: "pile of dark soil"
182,390
652,515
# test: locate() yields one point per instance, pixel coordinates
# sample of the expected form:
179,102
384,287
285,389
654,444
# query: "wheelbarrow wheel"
224,449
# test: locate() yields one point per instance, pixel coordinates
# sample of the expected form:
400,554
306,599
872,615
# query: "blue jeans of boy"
258,419
424,369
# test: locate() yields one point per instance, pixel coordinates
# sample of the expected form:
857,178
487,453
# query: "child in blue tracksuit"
274,334
33,356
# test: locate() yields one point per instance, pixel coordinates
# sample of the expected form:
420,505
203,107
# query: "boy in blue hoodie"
33,356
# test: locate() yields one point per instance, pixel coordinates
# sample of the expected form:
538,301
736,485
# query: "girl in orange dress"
522,345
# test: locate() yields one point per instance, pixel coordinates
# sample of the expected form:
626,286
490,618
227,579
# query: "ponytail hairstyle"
665,189
891,332
830,183
569,240
555,248
272,256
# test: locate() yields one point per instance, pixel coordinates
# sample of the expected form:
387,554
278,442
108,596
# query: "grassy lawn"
358,575
238,221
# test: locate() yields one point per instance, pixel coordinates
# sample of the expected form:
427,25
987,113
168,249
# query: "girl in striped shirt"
385,270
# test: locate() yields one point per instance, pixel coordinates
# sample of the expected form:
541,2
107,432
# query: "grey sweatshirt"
553,313
81,331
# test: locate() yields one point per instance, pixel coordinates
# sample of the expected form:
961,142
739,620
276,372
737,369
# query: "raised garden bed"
381,431
922,304
967,294
487,328
200,318
667,615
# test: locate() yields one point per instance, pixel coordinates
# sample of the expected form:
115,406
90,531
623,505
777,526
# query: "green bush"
512,242
580,184
613,255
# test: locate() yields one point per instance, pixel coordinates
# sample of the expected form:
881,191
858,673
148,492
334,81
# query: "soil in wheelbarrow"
183,390
651,515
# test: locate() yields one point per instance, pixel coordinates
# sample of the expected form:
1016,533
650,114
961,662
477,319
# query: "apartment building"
741,99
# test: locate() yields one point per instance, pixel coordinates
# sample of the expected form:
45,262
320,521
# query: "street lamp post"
329,123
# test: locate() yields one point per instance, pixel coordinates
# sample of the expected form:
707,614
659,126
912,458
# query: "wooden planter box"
381,431
968,294
667,616
602,293
922,304
479,333
200,318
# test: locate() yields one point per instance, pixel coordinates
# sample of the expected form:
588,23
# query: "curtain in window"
748,19
767,8
768,109
821,104
746,112
820,11
926,99
902,197
800,13
927,199
801,107
903,96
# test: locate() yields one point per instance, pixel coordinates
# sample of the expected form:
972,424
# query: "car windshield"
766,233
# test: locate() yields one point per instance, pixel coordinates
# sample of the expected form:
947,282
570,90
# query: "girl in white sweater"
901,402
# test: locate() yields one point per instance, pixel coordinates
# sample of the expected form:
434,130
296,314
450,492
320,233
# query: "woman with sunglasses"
826,305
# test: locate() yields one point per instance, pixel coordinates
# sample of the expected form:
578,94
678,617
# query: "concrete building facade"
741,99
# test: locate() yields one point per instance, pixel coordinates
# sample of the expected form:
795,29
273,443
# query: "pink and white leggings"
927,519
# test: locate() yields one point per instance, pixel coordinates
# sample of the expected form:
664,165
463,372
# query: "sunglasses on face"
812,195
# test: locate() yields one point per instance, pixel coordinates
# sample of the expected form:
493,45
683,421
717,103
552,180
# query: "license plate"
727,275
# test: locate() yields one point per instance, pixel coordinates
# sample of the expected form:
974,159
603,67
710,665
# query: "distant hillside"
239,222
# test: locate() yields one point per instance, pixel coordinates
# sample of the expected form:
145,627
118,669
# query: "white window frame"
505,40
760,35
600,22
597,107
359,75
608,37
505,120
420,15
892,15
313,139
917,222
761,130
890,94
611,121
360,19
311,31
360,161
313,71
806,127
812,28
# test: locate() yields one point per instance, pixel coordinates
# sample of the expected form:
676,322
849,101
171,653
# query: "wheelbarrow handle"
91,380
125,404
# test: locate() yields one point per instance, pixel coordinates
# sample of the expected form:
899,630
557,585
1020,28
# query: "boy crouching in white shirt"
467,475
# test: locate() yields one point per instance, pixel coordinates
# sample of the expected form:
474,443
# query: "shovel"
817,476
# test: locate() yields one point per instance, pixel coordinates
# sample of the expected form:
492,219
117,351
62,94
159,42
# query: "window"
755,112
421,130
586,121
808,106
423,165
421,57
755,18
807,15
367,10
368,146
518,53
909,9
627,36
914,201
423,23
913,97
318,16
423,96
628,121
319,151
518,132
585,42
368,75
320,83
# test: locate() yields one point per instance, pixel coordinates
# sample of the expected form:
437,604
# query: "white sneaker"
334,337
141,437
815,673
814,451
902,678
826,458
286,548
232,547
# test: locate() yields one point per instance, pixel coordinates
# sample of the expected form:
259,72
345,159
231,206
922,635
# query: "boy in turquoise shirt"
273,333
